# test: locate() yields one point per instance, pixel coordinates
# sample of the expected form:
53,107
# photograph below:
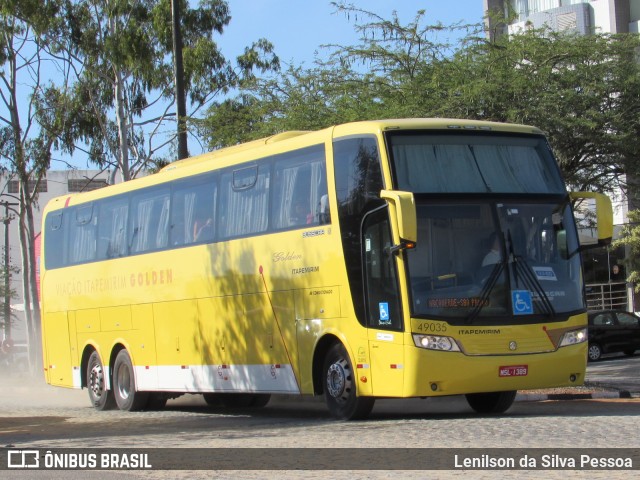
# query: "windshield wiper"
529,277
486,291
530,280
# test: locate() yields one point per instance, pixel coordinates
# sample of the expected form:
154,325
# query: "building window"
567,21
84,184
14,186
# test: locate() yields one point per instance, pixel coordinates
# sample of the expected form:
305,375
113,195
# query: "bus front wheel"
124,385
494,402
100,397
340,387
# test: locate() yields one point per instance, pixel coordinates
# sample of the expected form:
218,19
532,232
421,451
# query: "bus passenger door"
384,315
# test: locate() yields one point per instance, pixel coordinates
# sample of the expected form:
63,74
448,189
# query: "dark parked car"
613,331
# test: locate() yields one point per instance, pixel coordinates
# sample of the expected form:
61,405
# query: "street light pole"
178,69
7,290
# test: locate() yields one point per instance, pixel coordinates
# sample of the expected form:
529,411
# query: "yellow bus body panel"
249,314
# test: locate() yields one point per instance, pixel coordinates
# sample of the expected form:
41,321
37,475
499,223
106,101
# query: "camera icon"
23,459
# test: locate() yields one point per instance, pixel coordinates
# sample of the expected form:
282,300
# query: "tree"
26,27
578,89
295,100
122,57
629,236
381,77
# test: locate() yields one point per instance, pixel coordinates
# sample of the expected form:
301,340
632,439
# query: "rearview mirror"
594,218
402,209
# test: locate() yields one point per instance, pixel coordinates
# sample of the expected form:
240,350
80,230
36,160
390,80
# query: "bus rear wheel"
124,385
340,387
100,397
494,402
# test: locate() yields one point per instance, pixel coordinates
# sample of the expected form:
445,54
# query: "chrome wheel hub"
338,380
96,381
124,382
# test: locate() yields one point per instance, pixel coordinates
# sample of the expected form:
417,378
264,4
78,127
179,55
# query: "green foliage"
25,29
629,237
382,77
580,90
121,104
576,88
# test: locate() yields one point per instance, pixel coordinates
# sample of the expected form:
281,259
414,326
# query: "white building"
582,16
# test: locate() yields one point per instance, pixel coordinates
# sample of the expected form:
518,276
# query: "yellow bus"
396,259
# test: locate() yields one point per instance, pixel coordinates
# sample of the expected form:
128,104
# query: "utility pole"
178,70
7,287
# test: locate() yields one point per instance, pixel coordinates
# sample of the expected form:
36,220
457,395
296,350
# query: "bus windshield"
483,260
452,162
506,251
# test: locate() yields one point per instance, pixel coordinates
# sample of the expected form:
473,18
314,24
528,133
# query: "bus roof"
188,165
241,147
367,126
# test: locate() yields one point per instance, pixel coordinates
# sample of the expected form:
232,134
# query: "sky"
297,28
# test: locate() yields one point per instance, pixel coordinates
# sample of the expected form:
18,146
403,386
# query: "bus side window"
82,241
149,221
193,212
244,201
112,228
324,214
358,179
299,185
55,256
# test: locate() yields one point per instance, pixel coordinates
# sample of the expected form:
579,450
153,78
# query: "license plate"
513,371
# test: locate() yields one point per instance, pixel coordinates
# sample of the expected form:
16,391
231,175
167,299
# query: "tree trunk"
29,285
121,117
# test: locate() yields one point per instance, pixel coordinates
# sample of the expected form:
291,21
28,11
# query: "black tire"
339,385
100,397
260,400
594,352
493,402
237,400
124,385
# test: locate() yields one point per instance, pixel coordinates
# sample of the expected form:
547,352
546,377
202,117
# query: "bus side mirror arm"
402,210
403,245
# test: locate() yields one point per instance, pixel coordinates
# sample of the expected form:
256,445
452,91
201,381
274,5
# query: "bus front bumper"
433,373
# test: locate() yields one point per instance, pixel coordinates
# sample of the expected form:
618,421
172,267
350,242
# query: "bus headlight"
574,337
435,342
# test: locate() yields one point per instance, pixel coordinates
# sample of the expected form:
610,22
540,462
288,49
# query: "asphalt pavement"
617,372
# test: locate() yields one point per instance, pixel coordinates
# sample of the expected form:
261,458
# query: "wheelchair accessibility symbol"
521,302
385,319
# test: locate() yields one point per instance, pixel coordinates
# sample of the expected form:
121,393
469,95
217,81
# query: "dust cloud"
24,391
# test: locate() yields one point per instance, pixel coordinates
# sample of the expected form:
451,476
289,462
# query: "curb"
536,397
